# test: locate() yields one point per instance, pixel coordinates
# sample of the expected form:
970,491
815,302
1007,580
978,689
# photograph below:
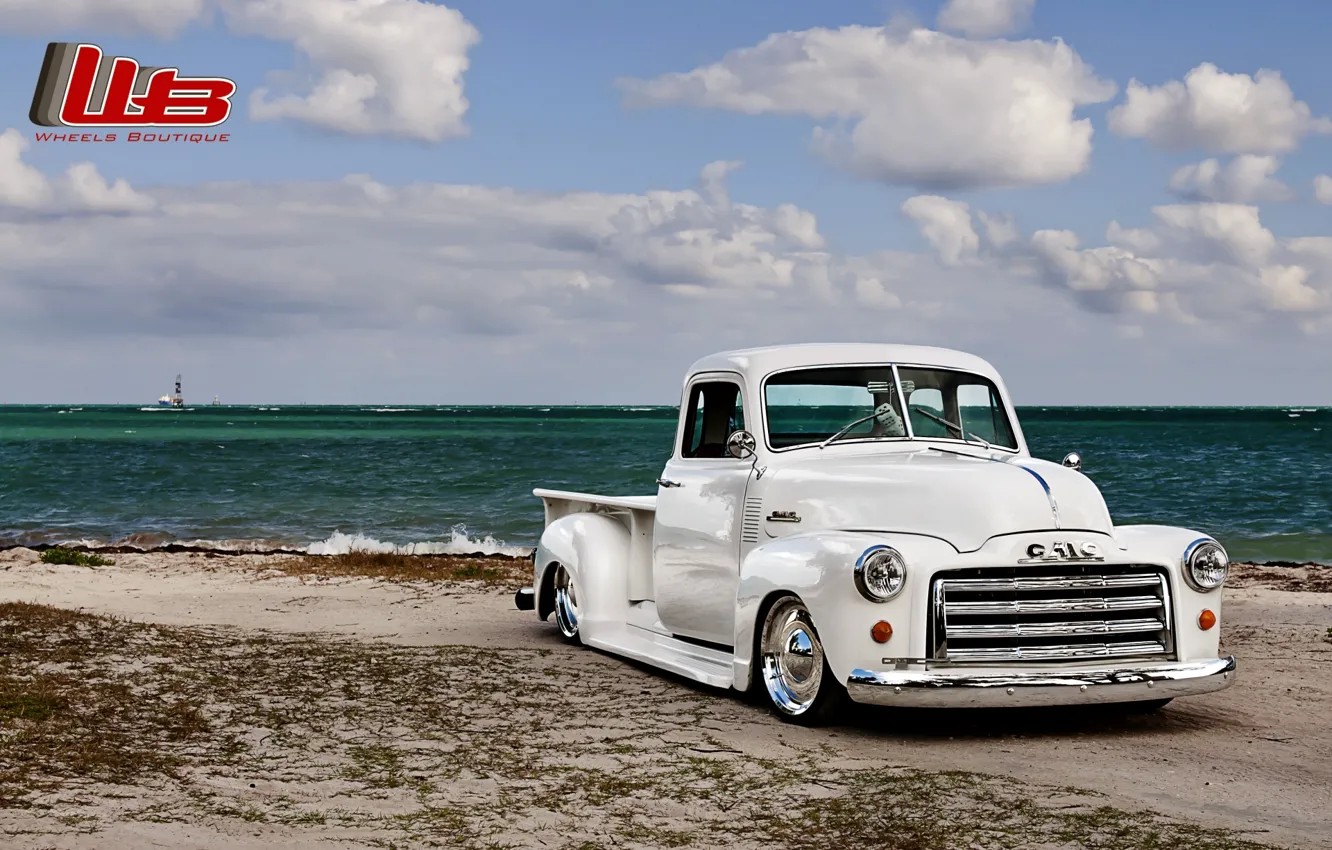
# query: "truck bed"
568,501
636,512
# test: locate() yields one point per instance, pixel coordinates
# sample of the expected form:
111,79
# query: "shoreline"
176,548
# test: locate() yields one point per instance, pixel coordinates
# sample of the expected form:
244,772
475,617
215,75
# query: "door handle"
663,482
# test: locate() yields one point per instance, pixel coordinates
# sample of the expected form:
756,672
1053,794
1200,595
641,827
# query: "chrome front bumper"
975,688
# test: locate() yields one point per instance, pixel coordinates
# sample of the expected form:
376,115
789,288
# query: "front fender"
594,548
1164,546
818,567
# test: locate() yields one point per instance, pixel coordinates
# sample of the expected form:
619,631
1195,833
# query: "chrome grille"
1065,612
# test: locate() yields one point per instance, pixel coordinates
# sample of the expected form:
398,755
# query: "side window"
693,437
715,411
982,414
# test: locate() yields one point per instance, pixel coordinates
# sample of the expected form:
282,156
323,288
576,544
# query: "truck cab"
865,522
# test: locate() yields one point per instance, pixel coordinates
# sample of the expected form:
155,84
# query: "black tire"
793,673
566,605
1148,706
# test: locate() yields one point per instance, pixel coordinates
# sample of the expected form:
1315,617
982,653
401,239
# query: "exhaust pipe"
525,599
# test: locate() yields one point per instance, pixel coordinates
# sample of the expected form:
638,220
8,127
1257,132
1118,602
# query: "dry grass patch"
60,723
456,746
490,570
1296,578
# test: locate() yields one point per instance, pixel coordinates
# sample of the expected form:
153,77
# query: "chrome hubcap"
792,657
566,602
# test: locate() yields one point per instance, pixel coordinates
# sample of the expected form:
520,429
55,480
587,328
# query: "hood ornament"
1062,550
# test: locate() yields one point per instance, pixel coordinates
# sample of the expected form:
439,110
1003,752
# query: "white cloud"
956,238
81,189
21,185
1217,111
684,239
946,224
1000,229
381,67
1104,276
243,258
158,17
1211,260
1288,289
90,191
1137,240
985,18
870,291
1245,179
712,180
1323,189
354,289
921,108
1230,233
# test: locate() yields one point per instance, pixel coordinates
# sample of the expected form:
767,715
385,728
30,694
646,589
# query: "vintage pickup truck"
865,521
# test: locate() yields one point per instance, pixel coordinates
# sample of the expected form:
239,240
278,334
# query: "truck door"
700,499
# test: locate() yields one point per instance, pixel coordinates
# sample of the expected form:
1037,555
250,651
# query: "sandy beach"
201,700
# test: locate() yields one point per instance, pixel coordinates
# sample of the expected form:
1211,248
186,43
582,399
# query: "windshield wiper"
958,428
848,428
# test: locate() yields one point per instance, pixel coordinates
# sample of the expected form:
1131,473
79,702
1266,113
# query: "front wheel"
801,687
566,605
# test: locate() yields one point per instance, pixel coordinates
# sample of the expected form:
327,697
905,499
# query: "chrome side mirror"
741,445
1073,460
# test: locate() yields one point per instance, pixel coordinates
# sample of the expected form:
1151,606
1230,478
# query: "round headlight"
1205,565
880,573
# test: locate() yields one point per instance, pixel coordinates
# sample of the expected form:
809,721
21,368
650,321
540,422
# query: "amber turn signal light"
881,631
1206,619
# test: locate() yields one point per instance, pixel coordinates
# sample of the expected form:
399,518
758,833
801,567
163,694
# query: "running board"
700,663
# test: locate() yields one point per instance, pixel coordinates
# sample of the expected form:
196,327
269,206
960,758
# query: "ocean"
459,479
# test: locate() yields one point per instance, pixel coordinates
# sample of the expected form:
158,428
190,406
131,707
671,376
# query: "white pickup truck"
865,521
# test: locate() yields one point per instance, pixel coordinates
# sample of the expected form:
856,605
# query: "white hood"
963,500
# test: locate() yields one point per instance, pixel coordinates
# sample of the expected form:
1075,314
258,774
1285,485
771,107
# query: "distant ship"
172,400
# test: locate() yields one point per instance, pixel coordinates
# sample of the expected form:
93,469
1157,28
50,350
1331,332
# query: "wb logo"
80,87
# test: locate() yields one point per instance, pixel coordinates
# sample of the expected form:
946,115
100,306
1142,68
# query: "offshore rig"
176,400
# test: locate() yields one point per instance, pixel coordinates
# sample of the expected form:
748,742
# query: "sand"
571,746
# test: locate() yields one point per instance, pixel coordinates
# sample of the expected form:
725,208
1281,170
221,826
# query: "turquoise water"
460,479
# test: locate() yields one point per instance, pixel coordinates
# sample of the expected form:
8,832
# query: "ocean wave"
458,542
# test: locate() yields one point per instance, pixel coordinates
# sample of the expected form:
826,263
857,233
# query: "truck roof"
757,362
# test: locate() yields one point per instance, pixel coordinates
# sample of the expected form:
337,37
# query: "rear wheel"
800,686
566,605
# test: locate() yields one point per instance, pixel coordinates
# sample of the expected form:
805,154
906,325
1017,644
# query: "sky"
540,202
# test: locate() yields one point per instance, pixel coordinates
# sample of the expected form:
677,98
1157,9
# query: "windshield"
960,398
809,406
